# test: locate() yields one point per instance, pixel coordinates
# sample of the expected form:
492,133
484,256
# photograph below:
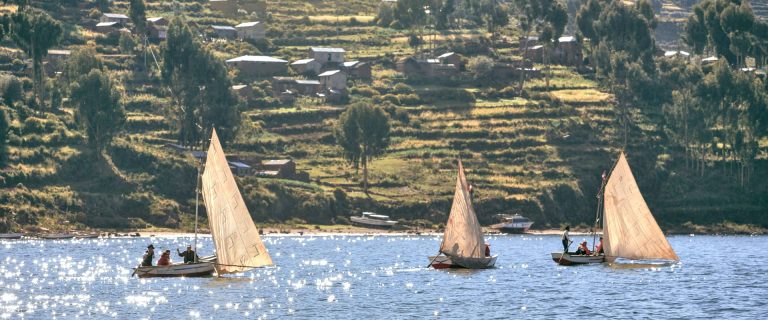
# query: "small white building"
307,66
327,55
114,17
251,30
334,80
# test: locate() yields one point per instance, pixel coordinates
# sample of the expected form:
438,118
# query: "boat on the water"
87,236
55,236
235,237
463,244
629,229
11,236
513,223
370,219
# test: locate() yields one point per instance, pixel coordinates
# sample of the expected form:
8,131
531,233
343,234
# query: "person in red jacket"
583,249
487,250
599,249
165,258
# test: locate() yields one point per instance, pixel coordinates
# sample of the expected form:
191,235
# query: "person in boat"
487,250
146,261
165,258
566,239
599,249
189,255
583,250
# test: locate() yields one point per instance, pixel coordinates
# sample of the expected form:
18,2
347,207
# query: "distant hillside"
540,154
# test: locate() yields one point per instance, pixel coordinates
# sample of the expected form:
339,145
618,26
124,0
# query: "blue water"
364,277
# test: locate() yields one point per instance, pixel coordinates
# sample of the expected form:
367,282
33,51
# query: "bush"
402,88
11,89
365,91
481,67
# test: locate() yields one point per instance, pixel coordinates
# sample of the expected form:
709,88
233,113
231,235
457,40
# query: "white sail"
463,236
237,241
629,229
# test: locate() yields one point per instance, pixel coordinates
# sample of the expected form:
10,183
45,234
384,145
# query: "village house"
55,60
243,91
227,7
222,32
429,68
240,169
108,27
327,56
677,54
251,31
709,60
282,86
306,66
567,52
114,17
258,66
157,21
278,168
451,58
357,69
333,79
254,6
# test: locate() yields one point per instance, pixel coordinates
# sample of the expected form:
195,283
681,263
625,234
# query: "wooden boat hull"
374,223
445,262
56,236
572,259
200,269
11,236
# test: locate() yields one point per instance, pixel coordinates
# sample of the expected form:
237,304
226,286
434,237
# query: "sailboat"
463,245
629,229
238,245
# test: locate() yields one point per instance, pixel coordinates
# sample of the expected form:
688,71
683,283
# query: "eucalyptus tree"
362,132
34,31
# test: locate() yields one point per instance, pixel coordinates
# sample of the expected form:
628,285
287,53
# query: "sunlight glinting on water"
349,276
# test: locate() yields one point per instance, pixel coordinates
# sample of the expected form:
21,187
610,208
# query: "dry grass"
581,96
341,19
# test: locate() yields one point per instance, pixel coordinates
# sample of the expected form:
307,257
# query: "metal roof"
116,15
328,73
276,162
257,59
247,24
327,50
223,28
302,61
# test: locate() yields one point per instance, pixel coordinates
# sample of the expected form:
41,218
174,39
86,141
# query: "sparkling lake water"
380,277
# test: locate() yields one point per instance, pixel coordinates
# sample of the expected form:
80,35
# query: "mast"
197,206
599,205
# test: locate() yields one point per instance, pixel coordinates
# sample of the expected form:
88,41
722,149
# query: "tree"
363,133
98,108
200,87
137,12
480,66
4,128
35,32
80,63
536,16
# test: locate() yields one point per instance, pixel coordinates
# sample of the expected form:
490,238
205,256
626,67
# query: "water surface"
360,277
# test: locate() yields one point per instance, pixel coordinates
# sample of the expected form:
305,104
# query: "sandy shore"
346,230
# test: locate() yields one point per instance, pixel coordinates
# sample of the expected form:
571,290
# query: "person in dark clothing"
189,256
148,256
566,239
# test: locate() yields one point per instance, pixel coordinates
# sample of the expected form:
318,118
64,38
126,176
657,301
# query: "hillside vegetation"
539,152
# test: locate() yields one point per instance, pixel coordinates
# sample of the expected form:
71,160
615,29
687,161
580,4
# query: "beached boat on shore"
513,224
11,236
55,236
370,219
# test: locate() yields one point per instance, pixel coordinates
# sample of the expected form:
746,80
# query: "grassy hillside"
540,154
